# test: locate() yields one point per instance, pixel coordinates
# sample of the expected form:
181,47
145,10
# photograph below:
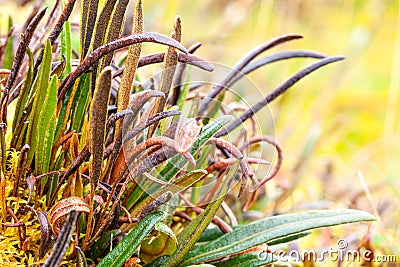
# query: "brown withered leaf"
97,121
167,75
47,236
131,64
63,208
88,20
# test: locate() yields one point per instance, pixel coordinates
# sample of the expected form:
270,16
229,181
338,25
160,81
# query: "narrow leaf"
98,119
270,229
88,20
17,62
130,65
24,93
8,52
189,236
41,86
174,187
66,48
131,242
47,121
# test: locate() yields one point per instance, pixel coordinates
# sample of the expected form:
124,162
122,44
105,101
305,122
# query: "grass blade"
24,93
8,52
66,48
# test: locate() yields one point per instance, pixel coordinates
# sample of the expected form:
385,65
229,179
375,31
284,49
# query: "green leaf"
213,233
176,163
66,48
185,89
176,186
202,265
165,243
99,247
270,229
189,236
81,99
41,87
131,242
47,121
24,94
215,107
8,53
253,259
289,238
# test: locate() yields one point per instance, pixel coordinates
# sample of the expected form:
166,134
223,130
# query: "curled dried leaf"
246,171
47,236
63,208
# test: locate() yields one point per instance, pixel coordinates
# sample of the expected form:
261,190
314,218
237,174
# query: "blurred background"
339,127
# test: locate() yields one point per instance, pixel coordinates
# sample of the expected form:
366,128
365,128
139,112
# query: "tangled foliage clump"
100,168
